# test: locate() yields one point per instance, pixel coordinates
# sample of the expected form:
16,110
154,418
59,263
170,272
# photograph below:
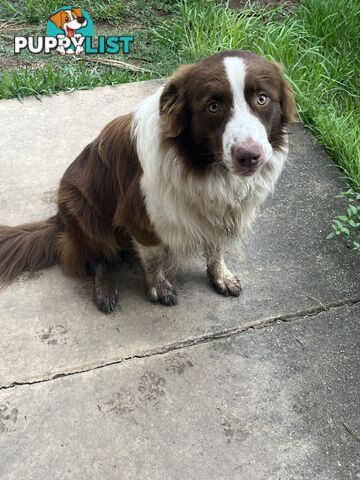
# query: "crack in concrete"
193,342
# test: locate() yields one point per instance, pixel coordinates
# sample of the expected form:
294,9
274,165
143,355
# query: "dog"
184,174
69,21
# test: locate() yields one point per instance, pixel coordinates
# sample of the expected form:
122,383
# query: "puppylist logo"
70,30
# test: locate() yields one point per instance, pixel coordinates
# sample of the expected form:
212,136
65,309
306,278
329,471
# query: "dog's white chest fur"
188,212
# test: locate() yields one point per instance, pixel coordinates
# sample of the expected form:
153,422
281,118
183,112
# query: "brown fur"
186,122
99,207
27,247
100,202
196,133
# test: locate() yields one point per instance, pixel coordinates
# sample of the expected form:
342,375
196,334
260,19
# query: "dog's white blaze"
243,125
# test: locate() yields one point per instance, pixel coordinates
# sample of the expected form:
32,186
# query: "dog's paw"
163,293
228,286
106,298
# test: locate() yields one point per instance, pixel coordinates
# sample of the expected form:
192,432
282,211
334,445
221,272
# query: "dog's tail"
27,247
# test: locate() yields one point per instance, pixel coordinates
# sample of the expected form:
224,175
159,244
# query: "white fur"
189,213
243,127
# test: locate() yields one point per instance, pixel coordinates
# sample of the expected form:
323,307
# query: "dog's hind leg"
83,261
105,293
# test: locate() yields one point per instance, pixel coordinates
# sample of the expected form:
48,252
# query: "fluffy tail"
27,247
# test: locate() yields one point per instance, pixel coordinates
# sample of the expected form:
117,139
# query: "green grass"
52,79
35,11
347,225
318,42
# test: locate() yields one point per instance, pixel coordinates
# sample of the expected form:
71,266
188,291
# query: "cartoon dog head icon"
69,20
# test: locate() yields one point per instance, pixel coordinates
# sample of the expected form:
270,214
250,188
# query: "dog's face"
69,20
230,109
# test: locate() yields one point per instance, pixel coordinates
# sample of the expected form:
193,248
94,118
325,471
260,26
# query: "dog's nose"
81,19
247,156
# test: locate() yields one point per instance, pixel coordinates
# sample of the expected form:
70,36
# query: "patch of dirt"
9,62
122,26
8,28
161,13
239,4
18,62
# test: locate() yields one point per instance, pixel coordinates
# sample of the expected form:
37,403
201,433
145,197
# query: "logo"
70,31
70,26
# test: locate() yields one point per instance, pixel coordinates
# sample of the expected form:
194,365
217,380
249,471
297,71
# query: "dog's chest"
187,216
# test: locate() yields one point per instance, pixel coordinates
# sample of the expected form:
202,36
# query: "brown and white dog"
70,21
184,174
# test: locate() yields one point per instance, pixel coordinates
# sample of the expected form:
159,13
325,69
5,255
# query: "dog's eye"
262,99
213,107
67,19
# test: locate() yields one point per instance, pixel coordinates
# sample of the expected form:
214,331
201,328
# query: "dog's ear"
58,18
287,103
173,102
77,12
287,99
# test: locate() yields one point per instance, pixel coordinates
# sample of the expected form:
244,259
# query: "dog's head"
69,20
229,109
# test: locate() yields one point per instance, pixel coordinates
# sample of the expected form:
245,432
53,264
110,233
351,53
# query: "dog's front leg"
223,280
155,261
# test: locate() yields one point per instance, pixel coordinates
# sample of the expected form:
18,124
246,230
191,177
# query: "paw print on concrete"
177,364
8,417
55,335
232,428
228,428
151,386
121,403
150,390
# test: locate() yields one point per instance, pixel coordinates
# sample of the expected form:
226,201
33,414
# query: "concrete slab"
49,325
266,404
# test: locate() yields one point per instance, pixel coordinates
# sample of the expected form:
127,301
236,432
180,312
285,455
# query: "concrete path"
255,388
